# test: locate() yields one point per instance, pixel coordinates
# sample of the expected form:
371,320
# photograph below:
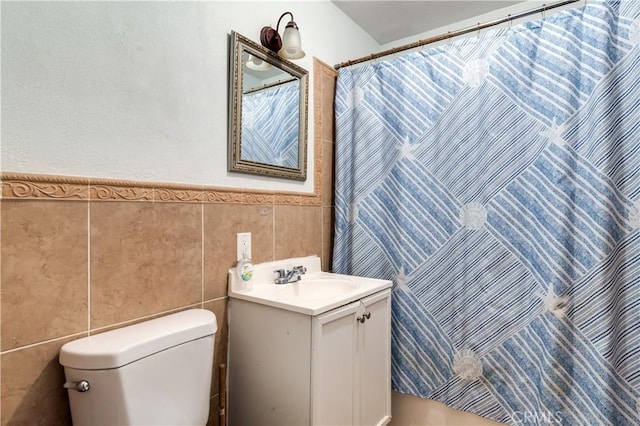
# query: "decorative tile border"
178,193
113,190
21,186
64,188
214,195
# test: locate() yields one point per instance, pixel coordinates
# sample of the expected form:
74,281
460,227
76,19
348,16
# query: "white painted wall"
138,90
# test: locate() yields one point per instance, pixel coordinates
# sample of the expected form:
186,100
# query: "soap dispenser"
244,270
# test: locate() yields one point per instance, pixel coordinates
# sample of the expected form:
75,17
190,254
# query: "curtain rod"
456,33
269,85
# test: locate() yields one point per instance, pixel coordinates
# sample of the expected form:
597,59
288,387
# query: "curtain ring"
544,11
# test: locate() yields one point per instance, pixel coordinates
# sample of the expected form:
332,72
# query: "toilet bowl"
157,372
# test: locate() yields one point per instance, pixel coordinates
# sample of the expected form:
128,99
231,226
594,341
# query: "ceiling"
388,21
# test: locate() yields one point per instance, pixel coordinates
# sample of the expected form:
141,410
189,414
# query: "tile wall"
80,256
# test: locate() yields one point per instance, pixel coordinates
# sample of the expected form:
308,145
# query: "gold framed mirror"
268,107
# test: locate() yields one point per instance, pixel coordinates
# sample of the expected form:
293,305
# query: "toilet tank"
157,372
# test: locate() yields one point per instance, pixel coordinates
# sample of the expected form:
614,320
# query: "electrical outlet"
243,245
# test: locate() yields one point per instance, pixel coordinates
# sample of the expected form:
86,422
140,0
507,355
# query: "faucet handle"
300,269
281,273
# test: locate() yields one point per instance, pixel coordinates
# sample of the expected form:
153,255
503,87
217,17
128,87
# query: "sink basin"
315,293
317,288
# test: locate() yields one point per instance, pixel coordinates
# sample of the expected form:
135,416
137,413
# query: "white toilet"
156,372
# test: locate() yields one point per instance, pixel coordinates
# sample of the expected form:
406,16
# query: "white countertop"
317,292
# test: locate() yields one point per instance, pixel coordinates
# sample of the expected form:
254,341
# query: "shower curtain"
496,181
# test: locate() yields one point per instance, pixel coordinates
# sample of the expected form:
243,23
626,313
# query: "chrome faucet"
286,277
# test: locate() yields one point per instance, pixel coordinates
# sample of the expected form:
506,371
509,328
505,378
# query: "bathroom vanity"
312,352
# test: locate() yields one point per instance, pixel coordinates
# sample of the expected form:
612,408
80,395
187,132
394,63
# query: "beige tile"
44,271
32,392
327,84
327,237
219,308
145,258
327,173
221,224
298,231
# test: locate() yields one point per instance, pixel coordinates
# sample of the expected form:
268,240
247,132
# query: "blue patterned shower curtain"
496,181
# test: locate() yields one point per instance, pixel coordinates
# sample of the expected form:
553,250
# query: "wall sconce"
289,46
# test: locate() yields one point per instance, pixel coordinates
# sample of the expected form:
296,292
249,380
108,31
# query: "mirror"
267,112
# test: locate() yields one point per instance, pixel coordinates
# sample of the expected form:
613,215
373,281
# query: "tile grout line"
146,317
109,327
44,342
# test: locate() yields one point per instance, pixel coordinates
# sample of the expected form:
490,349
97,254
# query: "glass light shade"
291,45
257,64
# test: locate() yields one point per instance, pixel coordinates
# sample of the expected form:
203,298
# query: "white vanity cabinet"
291,368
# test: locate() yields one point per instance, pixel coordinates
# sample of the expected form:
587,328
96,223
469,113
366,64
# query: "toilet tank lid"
124,345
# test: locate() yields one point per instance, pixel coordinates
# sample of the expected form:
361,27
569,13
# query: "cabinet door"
332,366
373,352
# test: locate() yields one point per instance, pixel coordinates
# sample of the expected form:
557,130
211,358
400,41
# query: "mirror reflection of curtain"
270,125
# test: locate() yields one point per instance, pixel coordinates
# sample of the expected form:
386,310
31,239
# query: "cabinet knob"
362,318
